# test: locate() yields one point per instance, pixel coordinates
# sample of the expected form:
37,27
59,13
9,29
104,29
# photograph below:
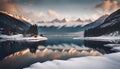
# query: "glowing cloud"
34,16
107,7
53,13
116,5
10,7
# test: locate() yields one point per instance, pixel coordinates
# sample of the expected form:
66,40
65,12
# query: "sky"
49,9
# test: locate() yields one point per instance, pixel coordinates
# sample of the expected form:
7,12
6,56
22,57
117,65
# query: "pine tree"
33,30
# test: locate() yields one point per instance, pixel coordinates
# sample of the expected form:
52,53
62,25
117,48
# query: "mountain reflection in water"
17,54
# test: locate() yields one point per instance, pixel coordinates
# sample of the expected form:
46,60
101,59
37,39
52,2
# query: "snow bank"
11,36
110,61
20,37
101,38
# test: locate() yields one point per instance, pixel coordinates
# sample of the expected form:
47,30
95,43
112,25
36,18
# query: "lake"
18,54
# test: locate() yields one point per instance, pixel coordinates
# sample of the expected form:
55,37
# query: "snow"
101,38
109,24
115,33
112,34
11,36
112,45
110,61
19,37
115,47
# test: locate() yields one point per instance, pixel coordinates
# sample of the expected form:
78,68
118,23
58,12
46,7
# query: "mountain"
56,21
110,26
9,24
59,21
79,20
41,22
88,20
65,20
96,23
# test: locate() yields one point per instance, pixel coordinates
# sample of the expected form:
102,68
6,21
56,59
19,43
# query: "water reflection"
10,49
22,54
100,46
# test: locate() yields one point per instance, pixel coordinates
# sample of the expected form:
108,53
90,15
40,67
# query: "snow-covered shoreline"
109,61
20,37
101,38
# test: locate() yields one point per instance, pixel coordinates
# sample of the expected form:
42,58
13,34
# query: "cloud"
40,14
116,5
34,16
10,6
110,61
107,6
53,13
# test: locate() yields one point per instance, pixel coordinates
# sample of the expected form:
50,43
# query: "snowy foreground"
20,37
110,61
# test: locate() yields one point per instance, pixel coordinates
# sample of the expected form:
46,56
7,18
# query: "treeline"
7,30
33,30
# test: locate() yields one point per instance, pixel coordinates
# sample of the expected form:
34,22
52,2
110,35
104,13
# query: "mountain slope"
9,23
111,26
96,23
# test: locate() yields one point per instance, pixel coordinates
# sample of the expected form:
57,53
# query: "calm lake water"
17,55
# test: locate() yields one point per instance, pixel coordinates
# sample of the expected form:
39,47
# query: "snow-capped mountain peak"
65,20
